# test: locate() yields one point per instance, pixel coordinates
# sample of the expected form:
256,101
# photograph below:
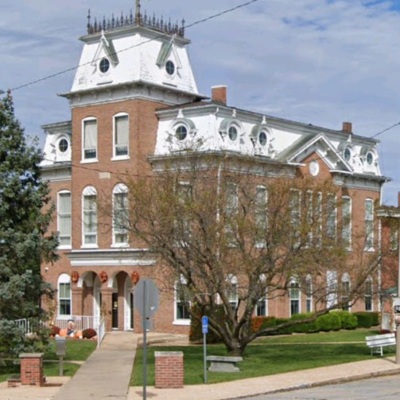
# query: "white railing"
24,324
101,330
81,322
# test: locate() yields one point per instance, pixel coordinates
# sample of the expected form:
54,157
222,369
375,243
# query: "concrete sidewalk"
274,383
107,372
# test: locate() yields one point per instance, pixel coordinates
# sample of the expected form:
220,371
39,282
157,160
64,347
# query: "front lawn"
76,350
268,356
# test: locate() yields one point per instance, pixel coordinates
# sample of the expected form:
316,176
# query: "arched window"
261,217
309,296
232,291
120,215
294,294
345,292
121,136
89,139
89,216
369,224
346,221
64,296
368,294
182,302
64,218
262,303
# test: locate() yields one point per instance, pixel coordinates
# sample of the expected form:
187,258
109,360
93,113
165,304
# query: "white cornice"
110,257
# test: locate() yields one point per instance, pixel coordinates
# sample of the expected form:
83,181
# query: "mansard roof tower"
133,56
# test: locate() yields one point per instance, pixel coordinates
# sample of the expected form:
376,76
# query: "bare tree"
233,233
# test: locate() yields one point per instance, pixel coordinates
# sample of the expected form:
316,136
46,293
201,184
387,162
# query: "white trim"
86,192
64,279
59,194
115,157
179,321
83,158
120,188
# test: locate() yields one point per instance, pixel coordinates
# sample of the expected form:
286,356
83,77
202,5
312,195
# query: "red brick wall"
169,369
32,369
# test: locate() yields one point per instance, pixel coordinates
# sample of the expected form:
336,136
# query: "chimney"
218,94
347,127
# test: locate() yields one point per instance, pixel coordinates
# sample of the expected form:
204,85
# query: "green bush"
364,319
375,318
283,331
328,322
260,323
196,334
347,319
307,327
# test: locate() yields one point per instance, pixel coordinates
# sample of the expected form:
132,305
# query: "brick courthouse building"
134,96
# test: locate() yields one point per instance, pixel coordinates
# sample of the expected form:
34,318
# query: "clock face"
314,168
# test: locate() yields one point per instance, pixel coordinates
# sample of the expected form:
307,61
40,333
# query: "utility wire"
390,127
137,45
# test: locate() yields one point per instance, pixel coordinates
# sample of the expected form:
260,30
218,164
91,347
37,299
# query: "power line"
136,45
390,127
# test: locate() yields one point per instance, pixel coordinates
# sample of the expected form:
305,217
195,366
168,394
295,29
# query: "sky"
321,62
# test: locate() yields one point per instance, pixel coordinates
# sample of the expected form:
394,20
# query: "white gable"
132,54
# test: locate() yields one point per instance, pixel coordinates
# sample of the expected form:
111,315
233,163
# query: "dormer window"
181,132
347,153
233,133
370,158
263,138
104,65
170,67
63,145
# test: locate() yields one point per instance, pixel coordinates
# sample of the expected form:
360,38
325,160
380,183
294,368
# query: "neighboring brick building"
134,97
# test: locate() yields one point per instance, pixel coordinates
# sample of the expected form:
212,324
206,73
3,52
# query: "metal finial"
88,23
137,13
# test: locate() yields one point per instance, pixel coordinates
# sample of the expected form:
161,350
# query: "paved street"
386,388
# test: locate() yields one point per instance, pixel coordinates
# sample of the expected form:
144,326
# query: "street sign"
146,296
204,324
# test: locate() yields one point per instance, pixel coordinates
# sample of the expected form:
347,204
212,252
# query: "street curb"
324,383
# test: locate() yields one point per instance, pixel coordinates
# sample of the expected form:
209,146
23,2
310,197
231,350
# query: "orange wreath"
74,276
103,276
135,277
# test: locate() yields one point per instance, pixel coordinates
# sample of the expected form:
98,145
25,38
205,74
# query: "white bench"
224,363
378,342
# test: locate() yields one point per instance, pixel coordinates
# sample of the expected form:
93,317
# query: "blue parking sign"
204,324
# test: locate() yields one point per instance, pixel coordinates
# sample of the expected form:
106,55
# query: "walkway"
106,375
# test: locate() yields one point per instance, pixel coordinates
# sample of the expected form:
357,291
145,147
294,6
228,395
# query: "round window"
104,65
170,67
63,145
262,138
347,154
181,132
370,158
233,133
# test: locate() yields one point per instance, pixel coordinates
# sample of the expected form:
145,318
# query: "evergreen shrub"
328,322
364,319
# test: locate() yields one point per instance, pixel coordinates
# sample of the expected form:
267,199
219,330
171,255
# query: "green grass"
356,335
268,356
76,350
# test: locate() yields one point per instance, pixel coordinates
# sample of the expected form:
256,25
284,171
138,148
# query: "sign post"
204,329
146,302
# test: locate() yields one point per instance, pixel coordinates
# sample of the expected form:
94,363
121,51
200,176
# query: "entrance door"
115,311
132,305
